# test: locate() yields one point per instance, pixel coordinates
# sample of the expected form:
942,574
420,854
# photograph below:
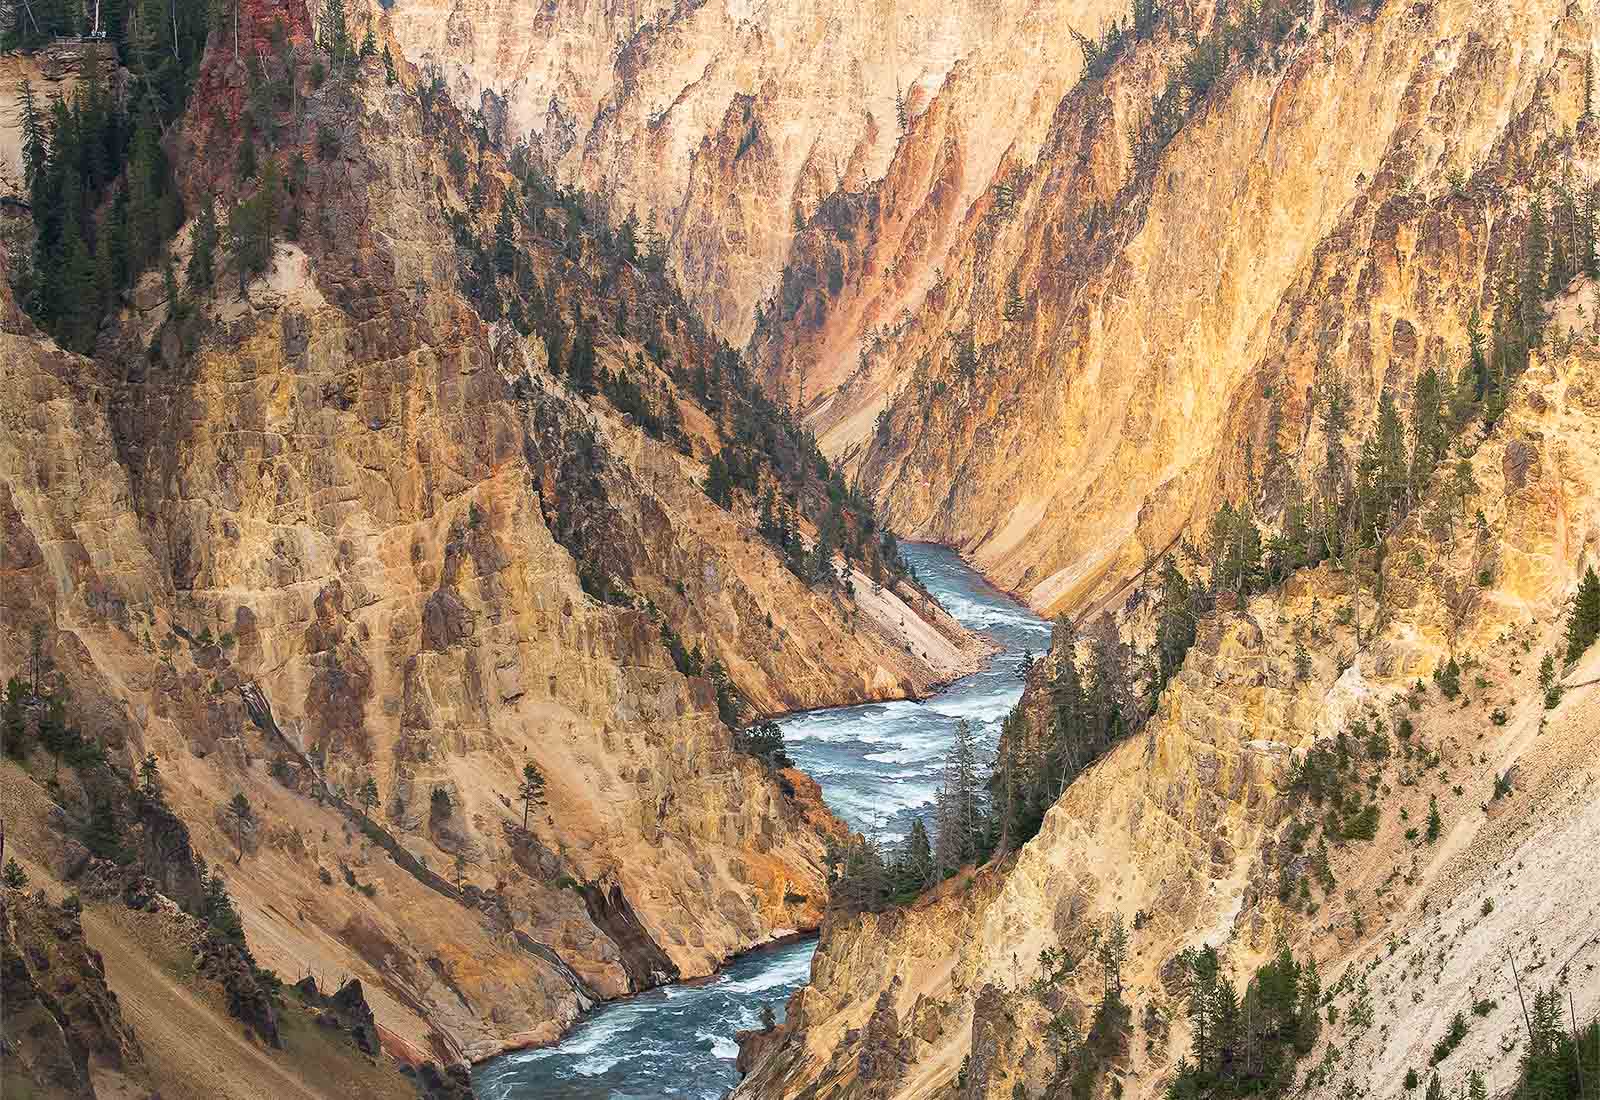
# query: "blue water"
878,765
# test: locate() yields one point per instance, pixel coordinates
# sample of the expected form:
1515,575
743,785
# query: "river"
878,764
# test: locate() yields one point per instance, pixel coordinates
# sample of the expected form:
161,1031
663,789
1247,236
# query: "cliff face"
64,1032
727,126
1117,327
301,536
1187,830
1027,333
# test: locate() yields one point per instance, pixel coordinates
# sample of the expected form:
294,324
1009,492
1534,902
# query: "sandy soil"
195,1051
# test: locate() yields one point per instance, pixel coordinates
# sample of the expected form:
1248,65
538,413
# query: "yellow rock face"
335,508
724,123
1329,211
1182,830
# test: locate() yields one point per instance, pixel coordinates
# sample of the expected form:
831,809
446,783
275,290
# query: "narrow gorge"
994,551
879,765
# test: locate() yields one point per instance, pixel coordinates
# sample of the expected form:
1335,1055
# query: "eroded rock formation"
1119,330
303,537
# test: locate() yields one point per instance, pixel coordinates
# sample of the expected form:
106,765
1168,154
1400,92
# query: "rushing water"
878,765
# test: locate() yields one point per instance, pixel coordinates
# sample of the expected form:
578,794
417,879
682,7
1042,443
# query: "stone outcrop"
64,1034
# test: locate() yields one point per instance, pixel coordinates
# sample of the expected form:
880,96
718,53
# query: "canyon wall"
1027,335
726,126
296,535
1116,328
1187,830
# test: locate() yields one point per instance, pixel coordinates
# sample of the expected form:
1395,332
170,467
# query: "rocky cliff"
303,531
63,1030
1221,219
726,127
1046,311
1193,831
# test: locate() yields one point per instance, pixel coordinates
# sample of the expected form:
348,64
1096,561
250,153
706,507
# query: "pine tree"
1146,14
389,75
239,817
1563,214
1588,258
144,208
217,908
1226,1023
1536,249
581,360
77,312
1175,623
105,270
1448,677
103,835
505,240
1109,697
946,834
961,777
35,148
149,775
1016,306
202,256
958,819
916,865
250,229
336,32
530,790
246,165
1584,626
1203,966
1393,468
1112,952
1321,867
1310,1016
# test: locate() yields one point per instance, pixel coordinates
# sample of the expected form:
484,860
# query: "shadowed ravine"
878,765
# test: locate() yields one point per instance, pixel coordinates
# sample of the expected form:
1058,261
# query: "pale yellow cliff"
724,123
1334,208
1182,829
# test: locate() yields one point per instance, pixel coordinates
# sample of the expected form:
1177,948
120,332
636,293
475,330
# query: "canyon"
1185,831
466,477
309,543
1031,338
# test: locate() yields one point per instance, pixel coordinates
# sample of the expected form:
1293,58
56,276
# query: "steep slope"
726,126
1196,832
64,1033
116,990
1129,319
300,535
